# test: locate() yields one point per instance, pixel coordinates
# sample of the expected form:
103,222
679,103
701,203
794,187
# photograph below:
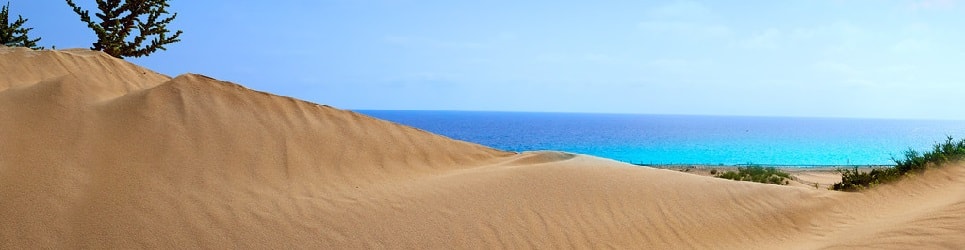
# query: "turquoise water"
682,139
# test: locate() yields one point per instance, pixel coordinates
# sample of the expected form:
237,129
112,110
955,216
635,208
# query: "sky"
833,58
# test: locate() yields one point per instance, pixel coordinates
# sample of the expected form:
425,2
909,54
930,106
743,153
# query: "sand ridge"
97,152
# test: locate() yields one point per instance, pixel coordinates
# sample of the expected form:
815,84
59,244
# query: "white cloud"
677,65
420,79
838,38
848,74
684,18
768,39
599,58
931,4
911,45
431,42
680,10
686,28
872,76
802,33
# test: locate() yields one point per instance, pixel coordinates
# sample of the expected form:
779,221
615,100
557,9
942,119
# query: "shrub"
914,162
768,175
941,153
856,180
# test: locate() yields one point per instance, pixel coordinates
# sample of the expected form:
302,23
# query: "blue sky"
878,59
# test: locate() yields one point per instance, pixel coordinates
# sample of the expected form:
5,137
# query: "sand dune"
100,153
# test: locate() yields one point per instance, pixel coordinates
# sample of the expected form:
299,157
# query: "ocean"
688,139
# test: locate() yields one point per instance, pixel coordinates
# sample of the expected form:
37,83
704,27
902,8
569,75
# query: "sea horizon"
363,111
687,139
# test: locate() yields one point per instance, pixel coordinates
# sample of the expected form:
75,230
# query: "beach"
801,176
97,152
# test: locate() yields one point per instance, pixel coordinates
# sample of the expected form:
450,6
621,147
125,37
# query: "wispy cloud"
432,42
911,45
680,10
483,43
932,4
599,58
847,73
768,39
684,19
835,38
684,28
437,80
677,65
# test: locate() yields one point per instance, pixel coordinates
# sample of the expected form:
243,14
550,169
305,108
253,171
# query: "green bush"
855,180
941,153
768,175
914,162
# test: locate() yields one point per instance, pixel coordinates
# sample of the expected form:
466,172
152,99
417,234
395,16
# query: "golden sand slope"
100,153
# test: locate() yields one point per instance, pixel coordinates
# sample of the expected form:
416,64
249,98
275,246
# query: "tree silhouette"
14,34
119,19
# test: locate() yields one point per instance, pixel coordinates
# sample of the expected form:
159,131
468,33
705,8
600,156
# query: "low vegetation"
768,175
913,162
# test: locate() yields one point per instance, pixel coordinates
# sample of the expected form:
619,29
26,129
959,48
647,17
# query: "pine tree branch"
15,34
120,19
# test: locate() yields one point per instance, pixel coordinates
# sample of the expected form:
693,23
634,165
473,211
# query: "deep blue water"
686,139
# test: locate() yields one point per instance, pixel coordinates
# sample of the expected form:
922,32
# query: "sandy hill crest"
96,152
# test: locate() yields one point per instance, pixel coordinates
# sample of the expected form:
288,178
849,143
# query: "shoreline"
779,166
817,177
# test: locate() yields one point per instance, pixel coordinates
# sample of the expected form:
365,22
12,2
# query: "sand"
813,177
100,153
